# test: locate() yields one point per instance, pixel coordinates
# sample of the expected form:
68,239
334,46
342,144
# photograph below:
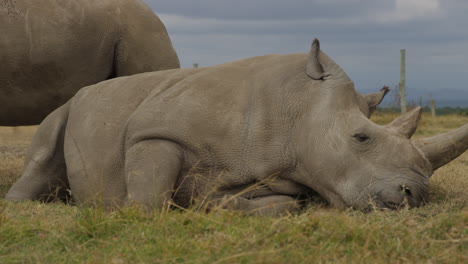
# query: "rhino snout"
401,196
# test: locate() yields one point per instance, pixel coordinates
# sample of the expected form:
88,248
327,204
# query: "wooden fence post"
433,108
403,80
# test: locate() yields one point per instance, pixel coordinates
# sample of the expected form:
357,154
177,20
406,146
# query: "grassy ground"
55,233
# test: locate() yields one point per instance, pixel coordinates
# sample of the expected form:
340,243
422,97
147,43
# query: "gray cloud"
364,36
264,9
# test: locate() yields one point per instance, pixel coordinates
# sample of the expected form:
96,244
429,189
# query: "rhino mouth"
392,194
405,197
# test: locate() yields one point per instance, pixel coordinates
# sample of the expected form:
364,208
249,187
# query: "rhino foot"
274,205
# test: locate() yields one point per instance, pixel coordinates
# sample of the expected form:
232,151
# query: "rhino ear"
314,69
374,99
321,67
406,124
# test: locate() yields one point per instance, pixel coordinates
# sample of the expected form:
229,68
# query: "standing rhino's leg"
45,172
274,205
151,169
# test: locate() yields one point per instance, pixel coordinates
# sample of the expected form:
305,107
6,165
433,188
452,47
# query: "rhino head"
353,162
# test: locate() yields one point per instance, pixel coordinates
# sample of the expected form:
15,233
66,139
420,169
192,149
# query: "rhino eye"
361,137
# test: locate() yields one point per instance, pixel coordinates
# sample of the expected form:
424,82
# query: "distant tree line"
446,110
393,105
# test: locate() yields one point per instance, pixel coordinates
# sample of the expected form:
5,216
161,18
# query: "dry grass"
428,126
13,145
55,233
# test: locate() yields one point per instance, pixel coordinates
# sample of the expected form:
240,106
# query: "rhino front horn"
441,149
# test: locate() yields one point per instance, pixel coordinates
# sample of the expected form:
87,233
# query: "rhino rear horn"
374,99
406,124
321,67
441,149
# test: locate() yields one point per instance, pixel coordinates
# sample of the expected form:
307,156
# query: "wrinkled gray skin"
51,48
293,123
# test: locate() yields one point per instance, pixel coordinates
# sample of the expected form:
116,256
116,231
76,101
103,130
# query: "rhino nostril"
406,191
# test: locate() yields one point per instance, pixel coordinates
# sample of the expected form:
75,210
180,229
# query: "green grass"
32,232
55,233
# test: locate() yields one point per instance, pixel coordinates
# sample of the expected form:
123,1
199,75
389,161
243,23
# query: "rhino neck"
314,137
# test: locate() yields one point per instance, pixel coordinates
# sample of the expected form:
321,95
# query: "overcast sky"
363,36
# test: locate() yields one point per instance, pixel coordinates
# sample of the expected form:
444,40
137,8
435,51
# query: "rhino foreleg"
45,173
151,169
274,205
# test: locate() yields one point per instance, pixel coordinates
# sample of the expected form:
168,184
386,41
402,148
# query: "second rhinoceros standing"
216,132
49,49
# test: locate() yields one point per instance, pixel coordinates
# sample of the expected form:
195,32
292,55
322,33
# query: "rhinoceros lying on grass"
49,49
293,123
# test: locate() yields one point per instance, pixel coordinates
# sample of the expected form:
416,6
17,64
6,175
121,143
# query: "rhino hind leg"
45,174
151,171
273,205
